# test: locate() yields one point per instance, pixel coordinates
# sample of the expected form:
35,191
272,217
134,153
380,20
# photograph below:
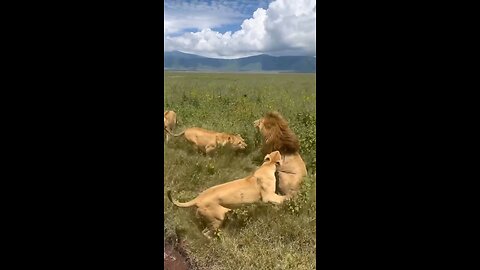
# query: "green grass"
258,236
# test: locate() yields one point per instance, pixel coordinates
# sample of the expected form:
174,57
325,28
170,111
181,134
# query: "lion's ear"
277,157
267,158
230,139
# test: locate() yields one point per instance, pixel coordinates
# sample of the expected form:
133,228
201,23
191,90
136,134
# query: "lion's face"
260,125
237,142
276,134
256,123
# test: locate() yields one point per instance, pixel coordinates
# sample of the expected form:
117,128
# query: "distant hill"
183,61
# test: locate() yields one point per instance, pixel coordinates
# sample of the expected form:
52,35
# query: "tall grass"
258,236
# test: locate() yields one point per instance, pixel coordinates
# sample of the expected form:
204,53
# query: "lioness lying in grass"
215,202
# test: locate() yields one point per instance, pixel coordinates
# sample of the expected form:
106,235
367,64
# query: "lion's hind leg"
206,214
215,216
219,214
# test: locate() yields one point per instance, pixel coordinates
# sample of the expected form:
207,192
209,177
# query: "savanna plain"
257,236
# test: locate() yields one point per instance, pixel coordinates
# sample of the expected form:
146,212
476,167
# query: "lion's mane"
277,135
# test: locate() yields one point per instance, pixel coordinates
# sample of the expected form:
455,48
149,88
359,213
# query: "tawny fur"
277,136
169,124
207,140
213,203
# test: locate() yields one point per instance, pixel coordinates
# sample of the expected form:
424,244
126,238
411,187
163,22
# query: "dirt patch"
175,257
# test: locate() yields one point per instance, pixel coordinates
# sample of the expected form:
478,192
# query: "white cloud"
198,15
286,27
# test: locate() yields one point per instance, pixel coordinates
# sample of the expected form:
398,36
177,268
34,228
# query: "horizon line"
240,57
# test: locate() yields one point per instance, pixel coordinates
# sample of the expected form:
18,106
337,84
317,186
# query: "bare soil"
175,257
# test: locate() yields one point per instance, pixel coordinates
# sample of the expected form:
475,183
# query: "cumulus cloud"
286,27
200,15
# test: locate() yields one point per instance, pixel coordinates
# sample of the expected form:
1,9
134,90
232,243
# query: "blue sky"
221,16
232,29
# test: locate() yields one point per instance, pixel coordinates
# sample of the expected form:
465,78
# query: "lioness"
215,202
278,137
207,140
169,123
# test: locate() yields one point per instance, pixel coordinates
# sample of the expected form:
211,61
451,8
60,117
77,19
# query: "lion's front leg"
209,148
273,198
166,136
268,193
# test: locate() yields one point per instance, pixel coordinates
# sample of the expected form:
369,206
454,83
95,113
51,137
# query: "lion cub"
213,203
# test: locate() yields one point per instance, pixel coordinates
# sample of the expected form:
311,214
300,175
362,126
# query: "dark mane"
278,136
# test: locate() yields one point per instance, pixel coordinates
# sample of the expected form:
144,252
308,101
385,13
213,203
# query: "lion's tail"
179,204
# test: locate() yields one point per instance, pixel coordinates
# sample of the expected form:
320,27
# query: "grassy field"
259,236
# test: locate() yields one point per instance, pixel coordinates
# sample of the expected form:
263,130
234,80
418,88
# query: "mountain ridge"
177,60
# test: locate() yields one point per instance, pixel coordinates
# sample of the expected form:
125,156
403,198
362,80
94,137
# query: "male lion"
169,123
279,137
207,140
215,202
